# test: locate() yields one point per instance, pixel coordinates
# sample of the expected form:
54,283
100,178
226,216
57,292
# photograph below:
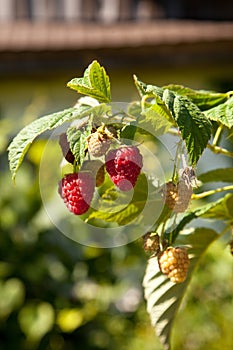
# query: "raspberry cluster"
174,262
123,166
77,190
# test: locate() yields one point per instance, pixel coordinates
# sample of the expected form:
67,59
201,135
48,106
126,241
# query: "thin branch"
220,150
217,135
209,193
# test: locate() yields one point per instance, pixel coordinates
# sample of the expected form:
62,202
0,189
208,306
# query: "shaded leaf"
94,83
163,296
222,210
202,98
217,175
222,114
123,210
214,210
134,109
128,132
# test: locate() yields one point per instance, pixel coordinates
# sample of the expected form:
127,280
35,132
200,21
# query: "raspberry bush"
109,184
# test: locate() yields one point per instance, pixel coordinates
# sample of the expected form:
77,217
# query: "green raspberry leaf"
164,297
74,139
217,175
156,115
23,140
147,89
202,98
77,138
222,210
124,208
119,209
195,128
222,114
94,83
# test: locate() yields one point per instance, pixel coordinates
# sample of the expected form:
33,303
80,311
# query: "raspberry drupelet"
77,190
123,166
174,262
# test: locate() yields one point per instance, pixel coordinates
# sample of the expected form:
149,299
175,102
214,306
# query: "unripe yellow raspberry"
100,141
174,263
183,198
177,196
170,193
151,243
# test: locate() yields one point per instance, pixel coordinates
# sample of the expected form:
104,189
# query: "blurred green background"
56,294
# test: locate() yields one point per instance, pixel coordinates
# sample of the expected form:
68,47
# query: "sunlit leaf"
222,114
194,126
94,83
163,296
147,89
202,98
23,140
156,117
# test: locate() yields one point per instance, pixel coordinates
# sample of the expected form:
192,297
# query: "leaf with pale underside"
163,296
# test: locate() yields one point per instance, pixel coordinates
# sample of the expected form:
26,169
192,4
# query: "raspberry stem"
75,166
209,193
217,150
217,135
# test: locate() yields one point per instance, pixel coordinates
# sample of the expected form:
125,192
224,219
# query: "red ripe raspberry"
123,166
77,190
